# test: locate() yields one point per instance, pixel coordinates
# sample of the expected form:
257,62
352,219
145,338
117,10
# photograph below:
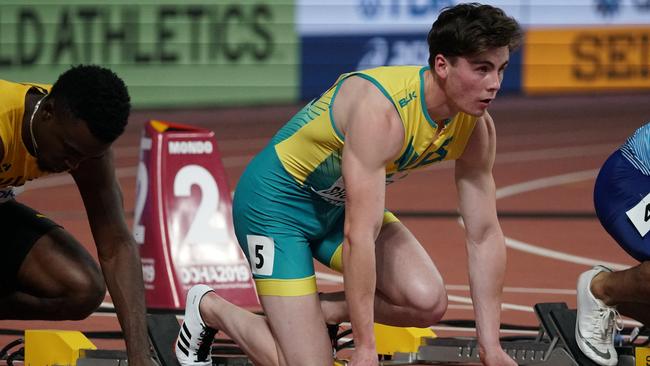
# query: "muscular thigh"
58,264
619,187
329,249
39,256
21,228
405,270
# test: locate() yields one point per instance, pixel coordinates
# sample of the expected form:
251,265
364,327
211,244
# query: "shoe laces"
608,321
205,343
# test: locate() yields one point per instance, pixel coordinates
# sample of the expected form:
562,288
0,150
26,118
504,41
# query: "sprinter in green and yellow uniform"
317,191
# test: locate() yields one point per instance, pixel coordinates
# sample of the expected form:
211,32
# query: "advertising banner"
169,52
349,17
587,59
341,36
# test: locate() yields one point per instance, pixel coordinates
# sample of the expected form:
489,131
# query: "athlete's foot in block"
595,322
195,338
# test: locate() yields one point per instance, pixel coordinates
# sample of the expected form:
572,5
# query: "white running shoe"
596,322
194,342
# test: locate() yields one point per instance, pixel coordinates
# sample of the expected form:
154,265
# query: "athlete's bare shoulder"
360,101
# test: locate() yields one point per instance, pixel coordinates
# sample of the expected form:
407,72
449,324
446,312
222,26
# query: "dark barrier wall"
171,53
325,58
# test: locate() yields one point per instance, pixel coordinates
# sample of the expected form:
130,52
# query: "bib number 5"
261,250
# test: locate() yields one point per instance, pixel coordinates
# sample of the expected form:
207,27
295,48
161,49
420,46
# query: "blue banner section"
324,58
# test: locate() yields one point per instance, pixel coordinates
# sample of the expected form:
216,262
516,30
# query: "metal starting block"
102,358
554,345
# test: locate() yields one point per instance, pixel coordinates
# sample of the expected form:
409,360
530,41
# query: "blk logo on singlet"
404,101
647,212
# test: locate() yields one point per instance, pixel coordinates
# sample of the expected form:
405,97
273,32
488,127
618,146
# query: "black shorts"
21,227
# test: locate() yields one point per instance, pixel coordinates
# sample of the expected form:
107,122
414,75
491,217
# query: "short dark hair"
470,29
96,95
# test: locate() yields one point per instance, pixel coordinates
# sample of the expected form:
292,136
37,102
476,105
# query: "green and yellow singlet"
310,146
289,203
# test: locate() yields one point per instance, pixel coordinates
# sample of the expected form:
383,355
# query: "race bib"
640,215
262,253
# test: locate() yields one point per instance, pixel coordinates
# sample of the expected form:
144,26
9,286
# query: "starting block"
555,345
54,347
390,340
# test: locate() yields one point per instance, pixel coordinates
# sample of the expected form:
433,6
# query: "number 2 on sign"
200,228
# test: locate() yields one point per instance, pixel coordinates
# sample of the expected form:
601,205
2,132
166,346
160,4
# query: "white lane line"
337,279
504,306
561,256
548,182
461,299
545,182
242,160
521,290
540,154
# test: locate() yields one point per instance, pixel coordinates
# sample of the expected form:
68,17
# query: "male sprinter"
317,190
46,274
622,202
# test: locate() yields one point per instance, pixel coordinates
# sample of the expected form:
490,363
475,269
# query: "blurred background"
178,54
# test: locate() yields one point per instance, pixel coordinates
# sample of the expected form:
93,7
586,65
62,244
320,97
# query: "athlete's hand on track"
364,357
496,357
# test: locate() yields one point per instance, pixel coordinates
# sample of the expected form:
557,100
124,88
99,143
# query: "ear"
47,109
441,66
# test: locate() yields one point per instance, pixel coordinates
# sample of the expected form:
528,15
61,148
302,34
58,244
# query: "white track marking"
547,182
521,290
235,161
461,299
335,278
504,306
561,256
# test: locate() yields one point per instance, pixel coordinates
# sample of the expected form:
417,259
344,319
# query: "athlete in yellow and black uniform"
45,273
18,164
302,164
317,190
17,167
